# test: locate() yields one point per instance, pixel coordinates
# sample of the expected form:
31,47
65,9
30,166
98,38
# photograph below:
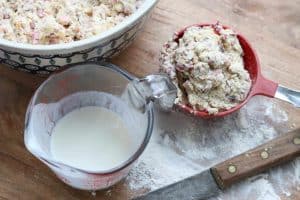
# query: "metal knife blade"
200,186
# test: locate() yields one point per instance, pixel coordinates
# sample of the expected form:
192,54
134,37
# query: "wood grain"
275,152
272,27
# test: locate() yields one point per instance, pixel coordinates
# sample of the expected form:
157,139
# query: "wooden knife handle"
270,154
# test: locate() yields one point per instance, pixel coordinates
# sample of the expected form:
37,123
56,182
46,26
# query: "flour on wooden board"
182,146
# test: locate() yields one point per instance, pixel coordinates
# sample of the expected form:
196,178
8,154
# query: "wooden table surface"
272,26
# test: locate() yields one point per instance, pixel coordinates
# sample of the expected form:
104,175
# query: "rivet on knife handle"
268,155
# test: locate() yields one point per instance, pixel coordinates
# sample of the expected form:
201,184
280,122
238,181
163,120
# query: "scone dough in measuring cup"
207,67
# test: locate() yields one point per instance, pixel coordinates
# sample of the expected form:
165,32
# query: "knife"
212,181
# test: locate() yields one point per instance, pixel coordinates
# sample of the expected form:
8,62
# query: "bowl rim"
81,44
132,158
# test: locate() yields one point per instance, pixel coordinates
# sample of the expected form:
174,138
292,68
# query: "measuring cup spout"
155,87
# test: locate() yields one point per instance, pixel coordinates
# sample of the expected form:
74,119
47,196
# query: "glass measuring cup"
92,84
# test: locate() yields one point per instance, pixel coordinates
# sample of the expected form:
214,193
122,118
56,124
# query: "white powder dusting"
182,146
93,193
160,166
258,188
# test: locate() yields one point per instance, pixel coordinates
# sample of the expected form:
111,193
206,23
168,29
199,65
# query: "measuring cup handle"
288,95
269,88
264,87
154,87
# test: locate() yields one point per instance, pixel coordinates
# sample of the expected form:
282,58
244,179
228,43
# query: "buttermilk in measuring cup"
91,138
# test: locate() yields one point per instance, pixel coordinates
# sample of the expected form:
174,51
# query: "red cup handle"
264,87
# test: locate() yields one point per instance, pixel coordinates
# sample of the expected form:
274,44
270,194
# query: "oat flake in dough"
208,68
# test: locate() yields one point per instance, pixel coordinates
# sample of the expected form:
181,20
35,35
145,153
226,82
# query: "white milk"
91,138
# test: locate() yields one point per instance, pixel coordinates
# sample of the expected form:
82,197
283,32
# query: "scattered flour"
93,193
182,146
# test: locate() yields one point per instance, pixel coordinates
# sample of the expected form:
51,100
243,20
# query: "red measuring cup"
260,85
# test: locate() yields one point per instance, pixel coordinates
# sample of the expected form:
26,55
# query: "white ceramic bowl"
44,59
